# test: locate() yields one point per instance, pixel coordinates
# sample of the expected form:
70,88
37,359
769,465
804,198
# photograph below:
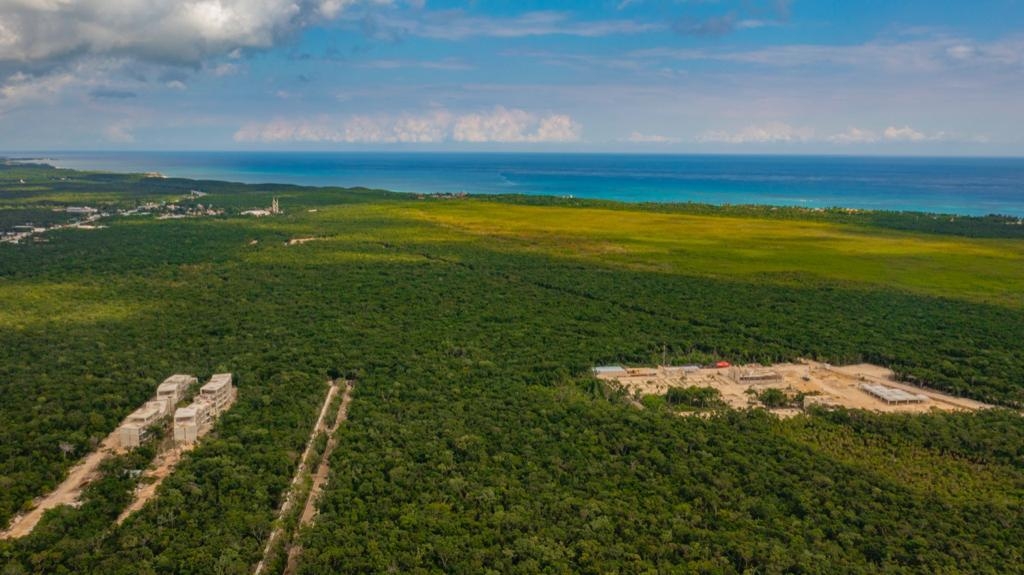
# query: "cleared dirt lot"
818,382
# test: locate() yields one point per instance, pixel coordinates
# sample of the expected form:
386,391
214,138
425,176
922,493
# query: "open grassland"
983,270
477,441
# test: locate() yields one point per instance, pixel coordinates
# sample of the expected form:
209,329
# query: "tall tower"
274,209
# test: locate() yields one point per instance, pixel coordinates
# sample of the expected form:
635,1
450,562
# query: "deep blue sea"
968,186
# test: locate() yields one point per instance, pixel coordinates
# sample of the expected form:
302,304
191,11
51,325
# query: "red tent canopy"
723,364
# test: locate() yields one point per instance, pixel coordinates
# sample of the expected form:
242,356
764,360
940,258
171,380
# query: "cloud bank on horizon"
626,75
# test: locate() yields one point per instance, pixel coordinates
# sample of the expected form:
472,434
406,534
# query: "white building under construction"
217,392
174,387
891,395
755,374
191,422
136,427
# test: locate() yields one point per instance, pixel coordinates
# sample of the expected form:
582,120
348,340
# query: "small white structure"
751,375
892,395
610,371
274,210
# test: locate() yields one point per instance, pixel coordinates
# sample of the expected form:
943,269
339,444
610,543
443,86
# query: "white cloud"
926,55
512,125
20,89
639,138
854,135
457,25
394,64
905,134
499,125
767,133
177,31
119,132
48,39
225,69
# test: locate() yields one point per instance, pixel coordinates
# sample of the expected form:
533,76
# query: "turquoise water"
967,186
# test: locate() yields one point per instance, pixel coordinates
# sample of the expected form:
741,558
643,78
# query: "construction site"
806,383
213,399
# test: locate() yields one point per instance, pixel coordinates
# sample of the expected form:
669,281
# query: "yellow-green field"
983,270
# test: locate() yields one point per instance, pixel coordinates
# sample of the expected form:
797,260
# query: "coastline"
953,186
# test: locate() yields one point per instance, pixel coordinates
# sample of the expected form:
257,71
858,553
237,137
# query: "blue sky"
744,76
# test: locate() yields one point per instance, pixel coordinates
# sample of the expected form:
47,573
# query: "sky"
870,77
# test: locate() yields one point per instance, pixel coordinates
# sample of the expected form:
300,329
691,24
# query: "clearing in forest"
816,383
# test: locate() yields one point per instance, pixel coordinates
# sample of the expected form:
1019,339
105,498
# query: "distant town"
88,217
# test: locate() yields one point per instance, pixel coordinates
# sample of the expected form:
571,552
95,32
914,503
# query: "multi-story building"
193,421
136,427
214,397
174,387
217,392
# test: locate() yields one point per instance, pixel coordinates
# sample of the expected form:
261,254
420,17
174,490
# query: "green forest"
477,440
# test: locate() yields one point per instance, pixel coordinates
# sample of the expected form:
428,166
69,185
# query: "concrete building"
192,421
609,371
754,375
217,392
82,210
174,387
892,396
136,427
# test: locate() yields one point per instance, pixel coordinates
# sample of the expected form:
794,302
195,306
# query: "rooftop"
144,413
218,381
891,394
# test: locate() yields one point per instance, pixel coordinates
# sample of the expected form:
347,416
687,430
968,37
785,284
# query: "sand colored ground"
300,241
823,383
67,493
163,465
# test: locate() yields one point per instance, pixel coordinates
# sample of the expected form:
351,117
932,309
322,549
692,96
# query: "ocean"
964,186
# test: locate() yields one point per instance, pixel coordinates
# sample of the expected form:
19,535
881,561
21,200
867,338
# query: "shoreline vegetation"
477,439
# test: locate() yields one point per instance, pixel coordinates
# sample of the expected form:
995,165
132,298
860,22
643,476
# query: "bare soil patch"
819,382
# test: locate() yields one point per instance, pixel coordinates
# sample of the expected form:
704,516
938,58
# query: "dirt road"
67,493
304,463
319,481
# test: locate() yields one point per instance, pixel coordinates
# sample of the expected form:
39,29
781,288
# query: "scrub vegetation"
476,440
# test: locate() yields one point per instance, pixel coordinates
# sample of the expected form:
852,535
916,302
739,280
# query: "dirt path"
319,481
67,493
163,465
304,463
